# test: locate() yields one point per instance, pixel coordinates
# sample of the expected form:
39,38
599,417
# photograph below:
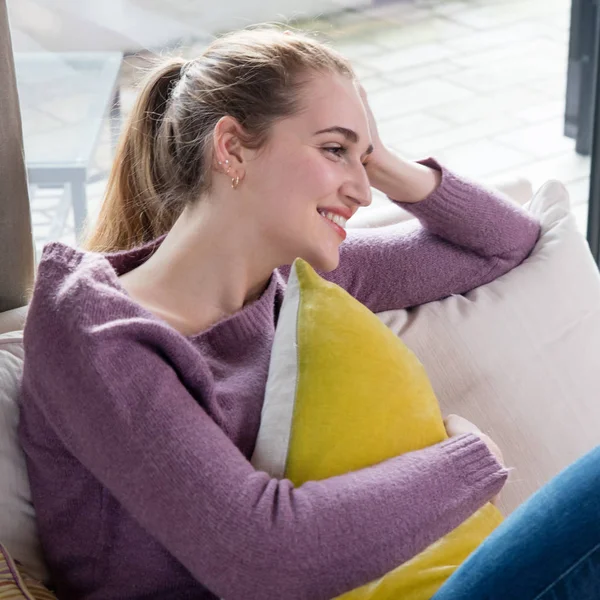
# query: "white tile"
357,49
567,168
450,7
541,46
553,87
342,18
432,69
538,173
375,84
407,57
415,97
498,36
496,76
401,12
482,158
487,106
496,14
560,20
363,71
413,126
476,130
542,112
541,140
430,30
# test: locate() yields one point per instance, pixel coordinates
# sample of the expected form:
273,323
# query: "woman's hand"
456,425
378,148
398,178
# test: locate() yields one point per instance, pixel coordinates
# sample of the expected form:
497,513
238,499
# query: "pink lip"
340,230
339,210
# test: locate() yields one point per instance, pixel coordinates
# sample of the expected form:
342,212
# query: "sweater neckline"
257,317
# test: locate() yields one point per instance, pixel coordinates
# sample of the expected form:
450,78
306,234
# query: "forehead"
330,100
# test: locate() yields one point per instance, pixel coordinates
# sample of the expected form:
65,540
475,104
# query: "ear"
227,143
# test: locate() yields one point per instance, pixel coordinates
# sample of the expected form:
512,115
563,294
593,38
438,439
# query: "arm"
121,409
464,236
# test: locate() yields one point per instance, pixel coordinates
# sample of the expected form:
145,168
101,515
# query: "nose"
359,187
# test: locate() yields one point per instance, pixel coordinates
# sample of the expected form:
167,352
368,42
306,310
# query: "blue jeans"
548,549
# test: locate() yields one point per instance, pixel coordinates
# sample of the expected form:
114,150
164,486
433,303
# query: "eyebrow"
347,133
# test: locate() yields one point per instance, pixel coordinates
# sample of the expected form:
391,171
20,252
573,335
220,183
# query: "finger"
362,92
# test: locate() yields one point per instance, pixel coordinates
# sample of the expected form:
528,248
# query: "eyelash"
337,150
340,151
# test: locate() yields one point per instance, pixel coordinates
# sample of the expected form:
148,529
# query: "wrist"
400,179
492,446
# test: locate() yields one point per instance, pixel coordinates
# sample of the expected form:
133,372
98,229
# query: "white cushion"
13,320
18,530
519,356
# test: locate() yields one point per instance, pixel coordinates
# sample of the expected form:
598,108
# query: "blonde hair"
163,159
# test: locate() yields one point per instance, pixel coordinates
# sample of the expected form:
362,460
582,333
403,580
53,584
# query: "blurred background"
496,89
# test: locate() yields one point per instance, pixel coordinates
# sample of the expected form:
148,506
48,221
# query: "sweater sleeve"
110,394
464,236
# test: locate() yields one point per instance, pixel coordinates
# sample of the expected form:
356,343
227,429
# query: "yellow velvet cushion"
343,393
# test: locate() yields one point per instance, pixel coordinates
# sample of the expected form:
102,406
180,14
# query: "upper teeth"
337,219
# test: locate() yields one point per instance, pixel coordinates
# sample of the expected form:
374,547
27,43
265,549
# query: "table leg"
79,202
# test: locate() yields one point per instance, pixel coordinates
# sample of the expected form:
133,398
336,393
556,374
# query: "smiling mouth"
337,222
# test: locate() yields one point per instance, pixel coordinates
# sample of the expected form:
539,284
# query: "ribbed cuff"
453,196
476,462
471,216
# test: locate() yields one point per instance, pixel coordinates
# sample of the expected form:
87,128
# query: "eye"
338,151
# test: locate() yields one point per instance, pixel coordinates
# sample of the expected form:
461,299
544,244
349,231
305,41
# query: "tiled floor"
479,84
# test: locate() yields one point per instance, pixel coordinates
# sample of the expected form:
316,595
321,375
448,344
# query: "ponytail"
133,211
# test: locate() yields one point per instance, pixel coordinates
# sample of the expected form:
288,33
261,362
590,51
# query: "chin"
324,262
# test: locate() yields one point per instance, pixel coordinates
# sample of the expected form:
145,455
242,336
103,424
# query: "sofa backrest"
13,320
18,528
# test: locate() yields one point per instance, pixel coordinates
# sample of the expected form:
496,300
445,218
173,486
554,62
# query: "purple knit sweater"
138,438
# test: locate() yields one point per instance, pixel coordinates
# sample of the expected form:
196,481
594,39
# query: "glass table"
65,99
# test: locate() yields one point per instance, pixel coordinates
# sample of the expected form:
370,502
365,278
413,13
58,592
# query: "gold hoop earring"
235,182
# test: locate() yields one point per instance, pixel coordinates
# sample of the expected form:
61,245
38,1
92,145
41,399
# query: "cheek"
314,177
294,185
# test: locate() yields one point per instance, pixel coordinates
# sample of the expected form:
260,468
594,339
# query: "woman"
147,354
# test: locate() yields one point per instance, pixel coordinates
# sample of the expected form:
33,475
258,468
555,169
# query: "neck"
208,267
